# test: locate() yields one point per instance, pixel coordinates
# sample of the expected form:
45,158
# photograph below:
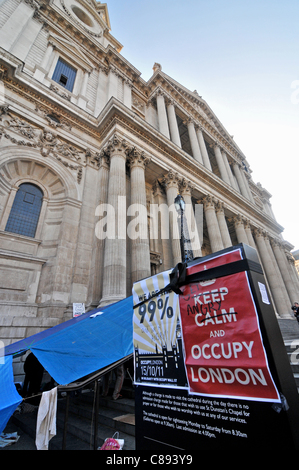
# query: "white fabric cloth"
46,419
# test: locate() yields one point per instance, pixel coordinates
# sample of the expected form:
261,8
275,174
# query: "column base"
110,300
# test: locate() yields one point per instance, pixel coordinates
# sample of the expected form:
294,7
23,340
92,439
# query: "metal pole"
96,415
182,237
66,416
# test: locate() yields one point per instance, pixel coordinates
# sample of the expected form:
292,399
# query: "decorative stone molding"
46,140
60,93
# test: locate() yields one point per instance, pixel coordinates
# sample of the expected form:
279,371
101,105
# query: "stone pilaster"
140,261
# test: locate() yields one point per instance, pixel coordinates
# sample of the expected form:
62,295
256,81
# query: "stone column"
161,227
194,142
186,190
271,274
228,169
212,224
248,231
114,282
223,225
240,180
171,181
293,270
284,292
246,179
282,264
140,260
173,124
203,149
162,115
220,163
240,230
99,246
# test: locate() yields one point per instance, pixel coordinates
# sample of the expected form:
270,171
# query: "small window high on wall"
25,211
65,75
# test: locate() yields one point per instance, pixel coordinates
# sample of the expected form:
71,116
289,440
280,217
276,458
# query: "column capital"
33,4
117,144
157,188
219,206
137,158
104,160
290,257
216,145
209,202
160,92
259,232
189,120
238,219
247,223
171,179
169,101
186,187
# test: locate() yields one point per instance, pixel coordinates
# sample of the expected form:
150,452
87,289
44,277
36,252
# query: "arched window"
25,211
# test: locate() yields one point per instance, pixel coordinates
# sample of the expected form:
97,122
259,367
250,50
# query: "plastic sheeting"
9,397
83,345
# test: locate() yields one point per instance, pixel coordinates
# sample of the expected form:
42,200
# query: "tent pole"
66,416
96,412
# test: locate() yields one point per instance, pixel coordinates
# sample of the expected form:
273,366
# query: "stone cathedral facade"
80,128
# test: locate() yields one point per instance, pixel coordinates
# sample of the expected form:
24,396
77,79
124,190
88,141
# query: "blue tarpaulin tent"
9,397
73,349
83,345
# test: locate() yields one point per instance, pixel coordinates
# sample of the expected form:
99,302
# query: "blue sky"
243,59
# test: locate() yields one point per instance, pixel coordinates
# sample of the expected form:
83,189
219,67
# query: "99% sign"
151,307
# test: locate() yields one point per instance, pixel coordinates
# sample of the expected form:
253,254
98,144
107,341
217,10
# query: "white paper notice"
264,294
